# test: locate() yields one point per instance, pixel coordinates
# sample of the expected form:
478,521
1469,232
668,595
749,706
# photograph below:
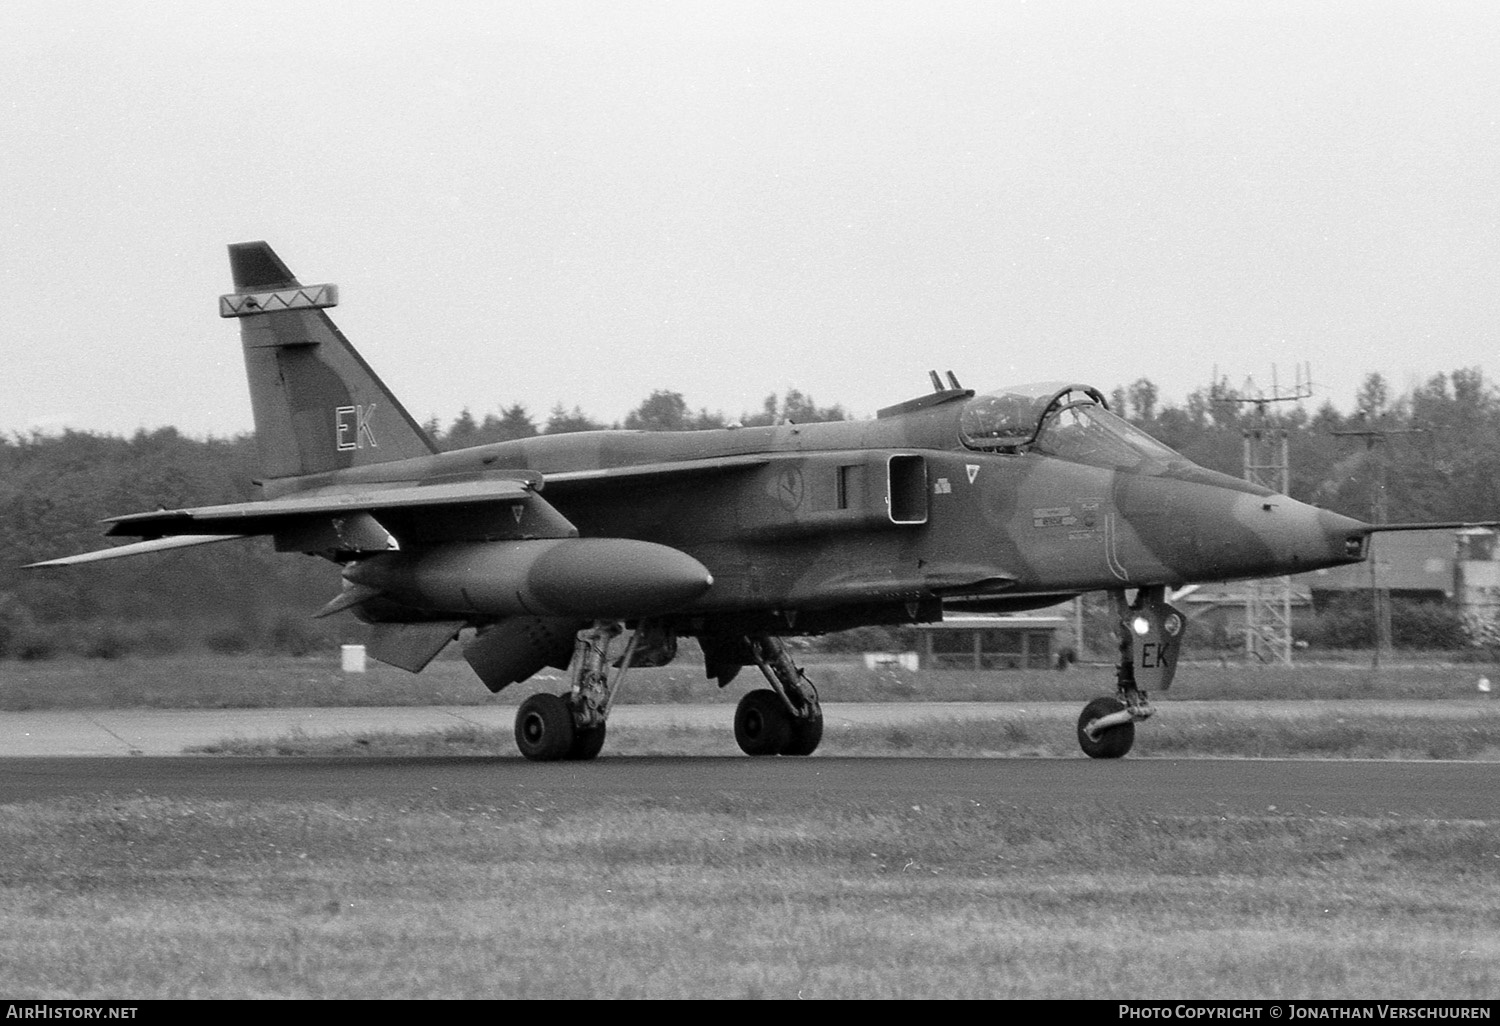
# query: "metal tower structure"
1268,607
1268,604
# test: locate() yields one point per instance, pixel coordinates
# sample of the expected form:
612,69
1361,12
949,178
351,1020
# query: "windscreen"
1085,432
1069,422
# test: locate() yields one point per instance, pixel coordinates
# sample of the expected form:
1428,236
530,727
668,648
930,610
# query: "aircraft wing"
372,517
267,515
346,519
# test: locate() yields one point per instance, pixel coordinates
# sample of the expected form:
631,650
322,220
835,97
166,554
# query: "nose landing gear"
1102,734
1150,632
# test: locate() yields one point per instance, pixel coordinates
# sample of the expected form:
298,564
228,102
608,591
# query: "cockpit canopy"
1069,422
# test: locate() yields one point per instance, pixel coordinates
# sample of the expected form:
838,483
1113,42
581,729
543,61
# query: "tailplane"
318,406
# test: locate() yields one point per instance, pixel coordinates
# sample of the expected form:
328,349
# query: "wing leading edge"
349,518
137,549
344,520
262,517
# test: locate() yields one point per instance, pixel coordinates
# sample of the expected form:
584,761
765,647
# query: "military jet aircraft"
738,537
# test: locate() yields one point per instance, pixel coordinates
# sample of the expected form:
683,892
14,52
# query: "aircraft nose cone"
1300,537
1345,537
1204,528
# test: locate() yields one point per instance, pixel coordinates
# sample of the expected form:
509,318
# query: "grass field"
647,898
231,682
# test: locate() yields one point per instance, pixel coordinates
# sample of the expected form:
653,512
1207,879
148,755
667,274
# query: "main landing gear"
784,719
570,725
1150,633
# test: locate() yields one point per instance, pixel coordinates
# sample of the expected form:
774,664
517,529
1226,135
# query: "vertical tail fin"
317,405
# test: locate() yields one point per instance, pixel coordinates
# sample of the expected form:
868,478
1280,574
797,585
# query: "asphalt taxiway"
179,731
94,753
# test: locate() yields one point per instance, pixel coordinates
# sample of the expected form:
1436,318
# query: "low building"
991,642
1409,564
1217,612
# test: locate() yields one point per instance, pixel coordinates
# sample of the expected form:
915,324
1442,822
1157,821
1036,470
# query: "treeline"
663,410
236,597
1435,449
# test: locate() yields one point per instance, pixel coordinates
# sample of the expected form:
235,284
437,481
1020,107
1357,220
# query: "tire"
804,735
1111,743
762,725
587,742
544,728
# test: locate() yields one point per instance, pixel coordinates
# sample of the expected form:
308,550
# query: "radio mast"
1377,451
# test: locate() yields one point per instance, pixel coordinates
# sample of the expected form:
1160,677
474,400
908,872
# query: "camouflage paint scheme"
730,534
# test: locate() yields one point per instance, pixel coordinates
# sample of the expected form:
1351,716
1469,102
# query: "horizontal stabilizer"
411,646
138,548
515,648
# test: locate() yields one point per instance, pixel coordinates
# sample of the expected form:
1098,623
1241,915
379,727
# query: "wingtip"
165,544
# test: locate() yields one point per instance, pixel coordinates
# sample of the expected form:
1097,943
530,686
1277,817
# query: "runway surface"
173,731
48,755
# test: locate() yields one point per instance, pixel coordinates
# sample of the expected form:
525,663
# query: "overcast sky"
550,202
